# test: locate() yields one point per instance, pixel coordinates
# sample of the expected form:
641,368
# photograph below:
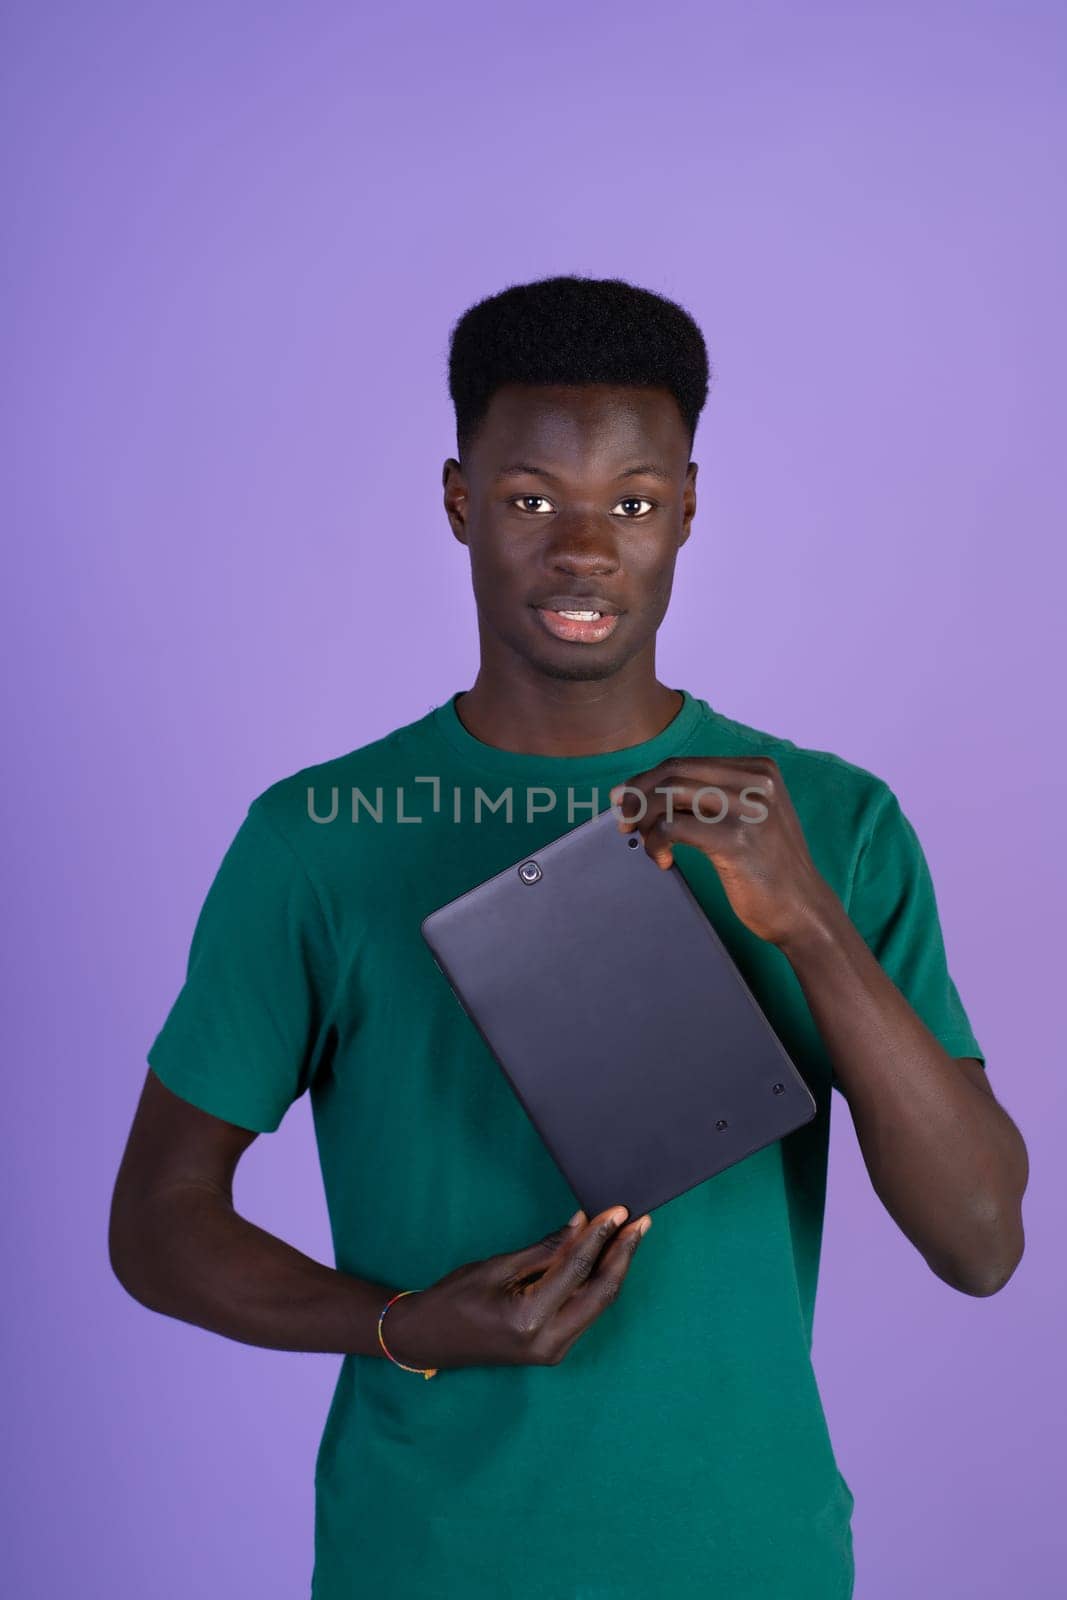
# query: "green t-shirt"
681,1446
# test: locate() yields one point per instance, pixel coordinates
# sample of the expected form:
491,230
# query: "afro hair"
574,330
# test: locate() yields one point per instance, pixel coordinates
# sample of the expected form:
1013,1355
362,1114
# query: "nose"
583,547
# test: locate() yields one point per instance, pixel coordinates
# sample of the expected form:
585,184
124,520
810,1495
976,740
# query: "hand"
736,811
523,1308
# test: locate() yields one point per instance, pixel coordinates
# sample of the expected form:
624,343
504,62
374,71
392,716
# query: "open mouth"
577,627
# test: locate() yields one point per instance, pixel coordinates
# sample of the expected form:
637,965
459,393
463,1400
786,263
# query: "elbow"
990,1284
123,1259
988,1273
130,1248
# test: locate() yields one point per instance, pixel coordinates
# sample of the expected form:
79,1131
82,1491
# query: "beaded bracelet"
427,1372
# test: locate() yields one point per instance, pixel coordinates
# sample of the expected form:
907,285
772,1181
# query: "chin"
590,669
576,675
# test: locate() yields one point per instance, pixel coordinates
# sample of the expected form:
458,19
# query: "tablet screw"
779,1088
720,1125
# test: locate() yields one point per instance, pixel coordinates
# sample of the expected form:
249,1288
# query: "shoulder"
823,771
839,801
293,805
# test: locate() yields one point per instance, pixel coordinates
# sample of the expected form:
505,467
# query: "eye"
538,505
522,500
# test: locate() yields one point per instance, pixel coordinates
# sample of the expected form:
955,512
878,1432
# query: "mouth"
578,623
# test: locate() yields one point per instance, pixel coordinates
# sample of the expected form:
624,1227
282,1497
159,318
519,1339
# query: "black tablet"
620,1020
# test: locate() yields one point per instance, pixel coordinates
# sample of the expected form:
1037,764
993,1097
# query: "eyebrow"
518,469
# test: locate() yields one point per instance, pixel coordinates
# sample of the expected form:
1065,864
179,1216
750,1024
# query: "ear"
456,497
689,502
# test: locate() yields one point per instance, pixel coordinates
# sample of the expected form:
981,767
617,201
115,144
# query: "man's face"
573,496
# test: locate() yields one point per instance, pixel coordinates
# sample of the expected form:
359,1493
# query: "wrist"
818,929
400,1330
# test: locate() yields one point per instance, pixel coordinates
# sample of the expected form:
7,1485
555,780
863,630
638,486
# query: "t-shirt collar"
616,764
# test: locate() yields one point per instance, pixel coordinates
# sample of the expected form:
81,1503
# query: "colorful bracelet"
427,1372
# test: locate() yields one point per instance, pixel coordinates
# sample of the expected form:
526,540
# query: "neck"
546,716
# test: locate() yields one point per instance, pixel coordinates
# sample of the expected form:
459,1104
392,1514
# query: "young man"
607,1421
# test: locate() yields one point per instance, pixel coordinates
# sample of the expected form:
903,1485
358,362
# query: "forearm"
190,1255
944,1157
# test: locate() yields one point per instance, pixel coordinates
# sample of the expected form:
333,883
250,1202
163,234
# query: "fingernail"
643,1229
619,1214
577,1217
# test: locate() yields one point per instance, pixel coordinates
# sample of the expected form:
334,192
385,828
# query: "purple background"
240,237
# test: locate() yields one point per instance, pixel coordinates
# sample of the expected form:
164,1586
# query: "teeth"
581,616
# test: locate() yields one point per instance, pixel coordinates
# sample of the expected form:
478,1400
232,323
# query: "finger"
518,1264
744,799
603,1285
727,842
575,1261
731,775
701,769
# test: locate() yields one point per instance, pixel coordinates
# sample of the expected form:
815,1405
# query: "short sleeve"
893,904
245,1034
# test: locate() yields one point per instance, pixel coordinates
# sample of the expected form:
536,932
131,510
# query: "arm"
944,1157
243,1040
178,1246
252,1024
